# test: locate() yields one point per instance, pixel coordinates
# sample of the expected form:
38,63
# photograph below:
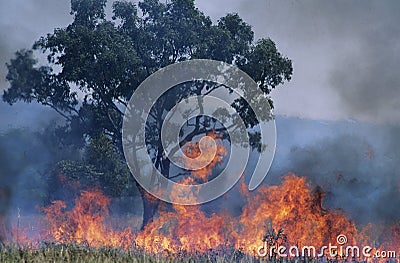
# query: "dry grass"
86,254
74,253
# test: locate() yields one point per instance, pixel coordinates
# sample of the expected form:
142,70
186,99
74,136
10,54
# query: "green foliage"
270,72
88,11
31,83
102,155
100,167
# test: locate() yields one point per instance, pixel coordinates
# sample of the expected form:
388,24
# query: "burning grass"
86,223
186,233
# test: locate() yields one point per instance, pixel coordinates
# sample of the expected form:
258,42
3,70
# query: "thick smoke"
346,60
345,55
367,80
357,165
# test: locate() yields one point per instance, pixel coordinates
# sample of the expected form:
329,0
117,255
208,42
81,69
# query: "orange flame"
198,157
86,222
294,205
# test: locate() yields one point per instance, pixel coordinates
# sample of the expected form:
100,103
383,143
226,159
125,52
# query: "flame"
86,222
206,155
187,228
294,205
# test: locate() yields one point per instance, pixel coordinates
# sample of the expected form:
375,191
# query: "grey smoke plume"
357,166
345,55
367,80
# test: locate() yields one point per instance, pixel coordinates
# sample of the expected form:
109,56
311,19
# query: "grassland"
85,254
73,253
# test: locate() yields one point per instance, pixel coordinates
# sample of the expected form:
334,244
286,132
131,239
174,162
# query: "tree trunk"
151,203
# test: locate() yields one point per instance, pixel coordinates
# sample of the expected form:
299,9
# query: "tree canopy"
95,64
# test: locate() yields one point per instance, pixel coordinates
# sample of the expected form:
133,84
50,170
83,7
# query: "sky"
345,54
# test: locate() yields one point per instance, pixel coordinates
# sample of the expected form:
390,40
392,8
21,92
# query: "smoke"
367,80
345,55
357,165
23,22
26,156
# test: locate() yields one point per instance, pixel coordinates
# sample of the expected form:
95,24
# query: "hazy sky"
346,54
